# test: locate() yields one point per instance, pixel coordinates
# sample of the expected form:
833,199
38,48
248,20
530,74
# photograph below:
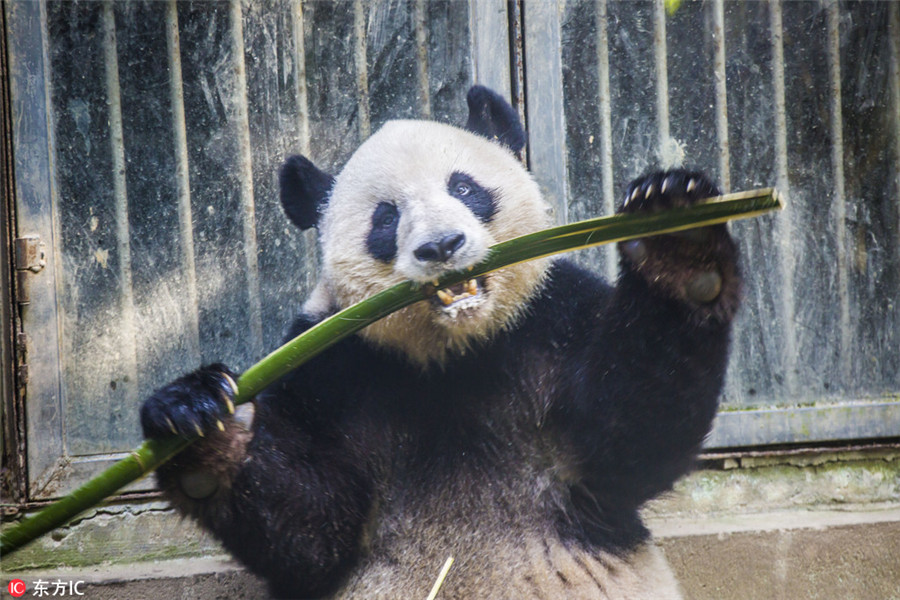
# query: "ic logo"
16,588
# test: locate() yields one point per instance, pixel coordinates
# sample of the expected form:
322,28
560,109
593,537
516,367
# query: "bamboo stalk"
152,453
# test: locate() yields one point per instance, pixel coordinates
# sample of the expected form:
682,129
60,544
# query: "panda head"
416,200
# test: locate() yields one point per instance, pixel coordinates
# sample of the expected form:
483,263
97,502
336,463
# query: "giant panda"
516,422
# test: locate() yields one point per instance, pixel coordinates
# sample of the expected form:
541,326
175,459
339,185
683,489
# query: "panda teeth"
469,289
445,297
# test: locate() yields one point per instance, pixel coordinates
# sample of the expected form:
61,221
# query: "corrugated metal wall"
148,140
802,95
148,135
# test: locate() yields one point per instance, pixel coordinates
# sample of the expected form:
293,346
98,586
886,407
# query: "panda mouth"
460,298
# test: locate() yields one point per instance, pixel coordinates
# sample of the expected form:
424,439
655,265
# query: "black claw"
191,405
667,189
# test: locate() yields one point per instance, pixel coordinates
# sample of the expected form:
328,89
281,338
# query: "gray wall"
147,137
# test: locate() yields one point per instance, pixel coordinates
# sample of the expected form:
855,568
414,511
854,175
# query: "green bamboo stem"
152,453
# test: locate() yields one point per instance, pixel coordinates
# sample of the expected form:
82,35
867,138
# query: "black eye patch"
382,239
479,200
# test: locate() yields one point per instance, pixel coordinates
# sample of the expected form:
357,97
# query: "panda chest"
468,427
470,448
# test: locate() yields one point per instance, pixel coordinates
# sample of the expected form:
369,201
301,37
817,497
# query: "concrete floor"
779,556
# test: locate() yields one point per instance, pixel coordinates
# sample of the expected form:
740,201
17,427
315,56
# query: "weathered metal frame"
52,471
783,423
495,60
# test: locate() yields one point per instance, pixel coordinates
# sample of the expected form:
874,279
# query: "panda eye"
386,220
382,239
479,200
385,216
462,189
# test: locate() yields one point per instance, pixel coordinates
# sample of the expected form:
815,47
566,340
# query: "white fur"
512,565
408,163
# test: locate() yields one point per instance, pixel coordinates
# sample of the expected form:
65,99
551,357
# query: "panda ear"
492,117
304,190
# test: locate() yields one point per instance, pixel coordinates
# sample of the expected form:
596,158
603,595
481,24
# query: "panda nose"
442,250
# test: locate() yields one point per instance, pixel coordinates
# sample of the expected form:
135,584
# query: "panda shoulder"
570,298
572,283
318,306
301,323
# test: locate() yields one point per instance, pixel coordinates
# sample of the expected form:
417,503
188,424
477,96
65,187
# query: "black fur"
492,117
304,190
382,239
602,393
698,266
667,189
636,391
479,200
188,404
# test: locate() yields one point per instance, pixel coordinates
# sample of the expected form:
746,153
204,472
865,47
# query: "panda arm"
653,363
647,394
288,499
644,372
298,504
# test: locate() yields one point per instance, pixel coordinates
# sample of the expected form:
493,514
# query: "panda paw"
192,405
667,189
697,266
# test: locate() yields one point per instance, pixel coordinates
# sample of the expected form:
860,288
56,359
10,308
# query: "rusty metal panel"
148,139
34,189
802,95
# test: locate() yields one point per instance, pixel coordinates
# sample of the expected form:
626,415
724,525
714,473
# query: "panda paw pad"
696,266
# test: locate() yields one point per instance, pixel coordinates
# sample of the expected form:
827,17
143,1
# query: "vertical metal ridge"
34,153
783,224
300,88
245,176
127,324
42,462
894,84
182,181
12,404
721,84
360,55
777,29
422,58
604,105
515,54
488,23
546,112
662,74
833,20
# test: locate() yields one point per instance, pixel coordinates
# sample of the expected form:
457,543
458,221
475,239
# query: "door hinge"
30,259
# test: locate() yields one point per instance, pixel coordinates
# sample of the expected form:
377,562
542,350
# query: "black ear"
304,190
492,116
